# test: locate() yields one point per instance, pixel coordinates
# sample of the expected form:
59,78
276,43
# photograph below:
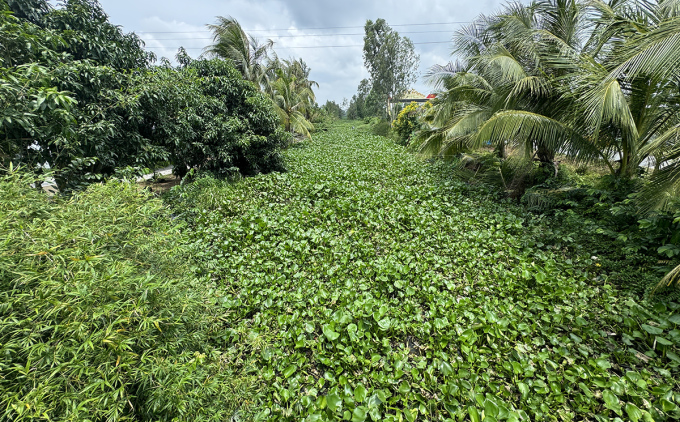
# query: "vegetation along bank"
361,284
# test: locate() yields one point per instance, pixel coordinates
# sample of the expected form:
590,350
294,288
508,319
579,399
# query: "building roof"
412,94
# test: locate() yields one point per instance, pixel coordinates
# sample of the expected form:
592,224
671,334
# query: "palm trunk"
625,169
546,156
501,151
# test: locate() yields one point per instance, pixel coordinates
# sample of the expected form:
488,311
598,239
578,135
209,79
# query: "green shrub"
207,117
80,95
100,317
407,122
381,128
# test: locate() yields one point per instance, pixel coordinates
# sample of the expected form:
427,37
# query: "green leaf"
289,371
667,406
329,333
334,402
523,389
652,330
490,408
410,415
585,389
404,387
673,356
446,368
611,401
385,324
360,393
663,341
603,363
675,319
474,414
359,414
633,412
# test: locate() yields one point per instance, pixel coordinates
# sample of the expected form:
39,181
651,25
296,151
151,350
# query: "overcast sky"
166,25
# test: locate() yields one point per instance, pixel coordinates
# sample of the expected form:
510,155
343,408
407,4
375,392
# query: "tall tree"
366,102
390,59
333,109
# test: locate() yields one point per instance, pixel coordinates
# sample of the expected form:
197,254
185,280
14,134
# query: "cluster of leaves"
334,109
366,103
384,289
408,121
207,117
79,97
61,73
101,317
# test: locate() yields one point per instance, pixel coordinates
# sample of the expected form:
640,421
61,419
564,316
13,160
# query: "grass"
371,286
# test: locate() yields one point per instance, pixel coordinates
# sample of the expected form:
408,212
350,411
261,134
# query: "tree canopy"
81,100
389,58
392,64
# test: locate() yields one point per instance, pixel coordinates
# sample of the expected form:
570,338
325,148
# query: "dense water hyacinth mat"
364,284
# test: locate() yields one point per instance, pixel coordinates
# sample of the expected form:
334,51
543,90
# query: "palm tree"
504,85
246,53
292,98
598,98
596,79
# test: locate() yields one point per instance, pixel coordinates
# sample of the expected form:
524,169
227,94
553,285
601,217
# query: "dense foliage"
366,103
207,117
62,71
101,317
380,288
80,98
334,109
408,121
593,81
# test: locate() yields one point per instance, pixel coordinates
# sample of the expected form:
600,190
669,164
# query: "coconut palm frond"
606,104
248,55
653,53
669,279
526,129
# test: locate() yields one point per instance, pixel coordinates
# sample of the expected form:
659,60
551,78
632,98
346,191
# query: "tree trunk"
546,156
501,151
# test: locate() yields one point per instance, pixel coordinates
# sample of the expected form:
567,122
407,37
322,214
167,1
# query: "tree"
247,54
292,98
333,109
551,89
78,97
390,59
207,117
366,102
64,81
31,10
